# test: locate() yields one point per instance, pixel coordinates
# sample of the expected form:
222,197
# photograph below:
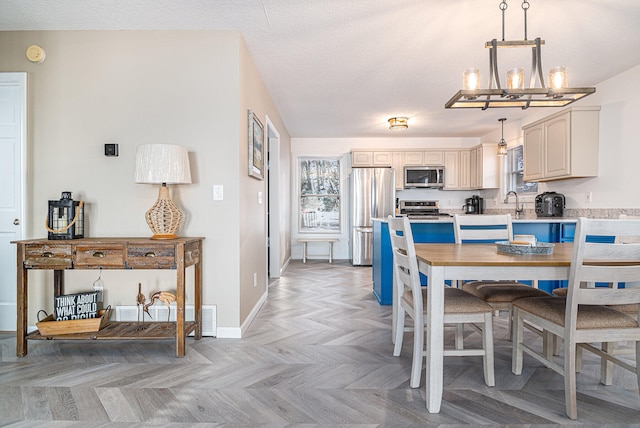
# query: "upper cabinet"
563,145
483,161
465,169
371,158
457,169
424,158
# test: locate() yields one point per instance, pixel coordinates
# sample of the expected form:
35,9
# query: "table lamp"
163,164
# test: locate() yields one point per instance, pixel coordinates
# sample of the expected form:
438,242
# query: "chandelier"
555,94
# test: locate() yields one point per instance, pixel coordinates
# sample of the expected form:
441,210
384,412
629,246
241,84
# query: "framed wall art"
256,147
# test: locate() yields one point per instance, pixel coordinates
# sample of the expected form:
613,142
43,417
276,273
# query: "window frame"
337,205
509,173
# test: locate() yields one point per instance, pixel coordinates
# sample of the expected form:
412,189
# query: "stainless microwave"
423,176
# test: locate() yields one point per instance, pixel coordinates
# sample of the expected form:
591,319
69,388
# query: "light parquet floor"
319,353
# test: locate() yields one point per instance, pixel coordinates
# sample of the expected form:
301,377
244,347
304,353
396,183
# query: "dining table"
440,262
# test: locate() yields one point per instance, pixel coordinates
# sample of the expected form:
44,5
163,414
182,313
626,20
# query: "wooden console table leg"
197,291
58,282
180,274
21,303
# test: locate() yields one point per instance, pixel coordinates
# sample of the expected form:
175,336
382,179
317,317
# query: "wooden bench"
305,241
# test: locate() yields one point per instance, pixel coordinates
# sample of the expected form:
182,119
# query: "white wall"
191,88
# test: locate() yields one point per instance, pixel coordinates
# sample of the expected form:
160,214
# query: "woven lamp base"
164,216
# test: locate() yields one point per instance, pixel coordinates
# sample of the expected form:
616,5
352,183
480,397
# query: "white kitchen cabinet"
371,158
483,161
563,145
452,170
398,166
433,158
457,169
464,176
424,158
413,158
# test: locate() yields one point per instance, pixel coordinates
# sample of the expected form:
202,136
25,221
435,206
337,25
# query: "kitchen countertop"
444,219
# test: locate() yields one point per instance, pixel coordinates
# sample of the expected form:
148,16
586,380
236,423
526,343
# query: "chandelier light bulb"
515,78
471,79
558,78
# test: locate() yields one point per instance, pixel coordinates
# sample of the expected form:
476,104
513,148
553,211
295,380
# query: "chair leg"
570,378
487,343
556,345
606,367
548,344
516,352
418,352
399,333
578,359
637,362
459,337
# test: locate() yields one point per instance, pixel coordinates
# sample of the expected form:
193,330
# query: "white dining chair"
459,306
582,318
469,229
606,369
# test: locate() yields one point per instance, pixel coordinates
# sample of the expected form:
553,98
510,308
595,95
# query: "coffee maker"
473,205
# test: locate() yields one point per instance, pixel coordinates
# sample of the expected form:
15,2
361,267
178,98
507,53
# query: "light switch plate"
217,192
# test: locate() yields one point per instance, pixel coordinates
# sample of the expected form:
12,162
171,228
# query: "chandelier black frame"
533,96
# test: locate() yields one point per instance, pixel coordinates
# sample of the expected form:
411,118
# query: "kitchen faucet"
519,208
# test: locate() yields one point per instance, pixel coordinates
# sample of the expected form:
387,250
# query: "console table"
113,253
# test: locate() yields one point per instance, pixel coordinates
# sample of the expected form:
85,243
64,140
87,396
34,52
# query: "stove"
426,210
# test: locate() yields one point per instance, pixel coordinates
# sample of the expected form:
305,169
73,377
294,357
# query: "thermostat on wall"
111,149
35,54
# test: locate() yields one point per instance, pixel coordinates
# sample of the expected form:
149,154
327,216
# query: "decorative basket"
511,247
49,327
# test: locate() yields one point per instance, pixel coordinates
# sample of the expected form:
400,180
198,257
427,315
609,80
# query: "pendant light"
554,93
502,145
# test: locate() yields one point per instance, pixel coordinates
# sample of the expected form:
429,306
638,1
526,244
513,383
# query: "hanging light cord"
525,6
503,7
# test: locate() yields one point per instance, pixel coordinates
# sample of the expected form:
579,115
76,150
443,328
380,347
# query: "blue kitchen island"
552,229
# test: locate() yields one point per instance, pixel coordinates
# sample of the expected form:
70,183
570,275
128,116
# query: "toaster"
550,204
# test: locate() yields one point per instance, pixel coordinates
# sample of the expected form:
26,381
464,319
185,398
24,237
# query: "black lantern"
66,218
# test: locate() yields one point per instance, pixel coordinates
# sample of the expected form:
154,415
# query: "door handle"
16,221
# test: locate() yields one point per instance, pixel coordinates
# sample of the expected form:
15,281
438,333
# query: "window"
514,173
319,209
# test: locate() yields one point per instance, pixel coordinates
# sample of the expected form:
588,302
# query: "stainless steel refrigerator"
372,195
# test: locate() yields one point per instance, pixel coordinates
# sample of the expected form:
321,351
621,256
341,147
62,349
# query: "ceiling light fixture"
502,145
556,94
396,123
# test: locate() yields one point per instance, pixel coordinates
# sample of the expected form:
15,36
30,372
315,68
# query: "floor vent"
160,313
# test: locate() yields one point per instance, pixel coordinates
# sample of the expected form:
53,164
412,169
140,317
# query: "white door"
13,119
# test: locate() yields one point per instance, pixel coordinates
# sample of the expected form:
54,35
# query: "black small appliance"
550,204
473,205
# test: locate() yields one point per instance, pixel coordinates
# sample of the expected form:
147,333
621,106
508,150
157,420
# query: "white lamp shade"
162,163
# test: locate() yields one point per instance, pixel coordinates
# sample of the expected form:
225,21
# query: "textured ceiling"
340,68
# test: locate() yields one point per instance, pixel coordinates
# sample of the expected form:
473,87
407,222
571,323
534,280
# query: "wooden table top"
487,255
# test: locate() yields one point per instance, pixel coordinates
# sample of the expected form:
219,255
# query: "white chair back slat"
492,228
602,262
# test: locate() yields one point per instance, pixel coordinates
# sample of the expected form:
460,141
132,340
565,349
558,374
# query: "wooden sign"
77,306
